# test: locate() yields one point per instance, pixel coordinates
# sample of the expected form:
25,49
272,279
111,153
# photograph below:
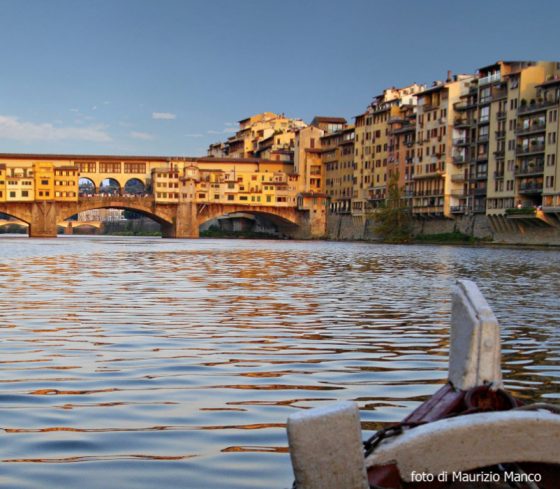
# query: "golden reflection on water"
138,363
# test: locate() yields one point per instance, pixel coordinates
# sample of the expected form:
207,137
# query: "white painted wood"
475,353
469,442
326,448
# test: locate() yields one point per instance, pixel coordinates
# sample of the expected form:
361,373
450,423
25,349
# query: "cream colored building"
372,147
253,136
437,178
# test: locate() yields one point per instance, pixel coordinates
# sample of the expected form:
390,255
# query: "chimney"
449,75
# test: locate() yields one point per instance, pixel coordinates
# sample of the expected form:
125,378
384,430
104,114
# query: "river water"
150,363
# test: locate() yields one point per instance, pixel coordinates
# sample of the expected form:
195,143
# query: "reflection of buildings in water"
103,215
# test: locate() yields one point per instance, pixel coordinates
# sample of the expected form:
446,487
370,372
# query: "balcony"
458,194
461,142
492,78
463,122
500,153
481,176
482,157
534,148
535,107
500,134
498,175
480,191
464,105
533,128
458,159
458,209
528,170
458,177
483,138
432,174
530,187
502,114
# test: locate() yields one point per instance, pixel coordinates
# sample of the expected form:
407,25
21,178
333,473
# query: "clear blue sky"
170,76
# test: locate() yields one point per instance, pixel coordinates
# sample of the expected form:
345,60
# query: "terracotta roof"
334,120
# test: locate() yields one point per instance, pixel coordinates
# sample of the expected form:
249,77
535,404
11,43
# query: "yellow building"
258,135
19,184
66,179
248,181
2,182
44,180
437,188
338,163
373,149
307,159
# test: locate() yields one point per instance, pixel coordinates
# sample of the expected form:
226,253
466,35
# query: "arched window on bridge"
135,186
110,186
86,187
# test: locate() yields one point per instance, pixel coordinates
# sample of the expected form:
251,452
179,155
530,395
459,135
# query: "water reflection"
148,363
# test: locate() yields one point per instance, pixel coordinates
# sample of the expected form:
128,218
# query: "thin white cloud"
94,107
13,128
141,135
167,116
227,130
195,135
74,110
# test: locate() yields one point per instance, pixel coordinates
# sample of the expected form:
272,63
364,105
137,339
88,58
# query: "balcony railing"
530,187
527,170
500,134
535,107
502,114
458,159
458,177
482,157
500,153
458,209
480,191
485,80
460,142
538,127
498,175
530,149
464,122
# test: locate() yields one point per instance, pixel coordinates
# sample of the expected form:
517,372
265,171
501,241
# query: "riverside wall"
498,230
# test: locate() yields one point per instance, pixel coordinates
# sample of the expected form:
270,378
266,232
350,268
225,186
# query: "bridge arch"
284,220
137,204
24,215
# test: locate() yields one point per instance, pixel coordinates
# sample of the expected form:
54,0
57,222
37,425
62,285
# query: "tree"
393,221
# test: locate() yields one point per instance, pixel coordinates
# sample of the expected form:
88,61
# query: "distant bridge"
180,220
62,224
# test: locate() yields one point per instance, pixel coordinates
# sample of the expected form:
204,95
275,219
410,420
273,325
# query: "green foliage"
521,211
393,221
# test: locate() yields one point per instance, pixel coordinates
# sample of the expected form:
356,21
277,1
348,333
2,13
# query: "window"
44,182
25,193
134,167
110,167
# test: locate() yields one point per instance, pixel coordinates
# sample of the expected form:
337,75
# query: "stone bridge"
180,220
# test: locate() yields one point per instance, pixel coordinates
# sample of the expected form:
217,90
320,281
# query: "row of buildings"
226,180
482,143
